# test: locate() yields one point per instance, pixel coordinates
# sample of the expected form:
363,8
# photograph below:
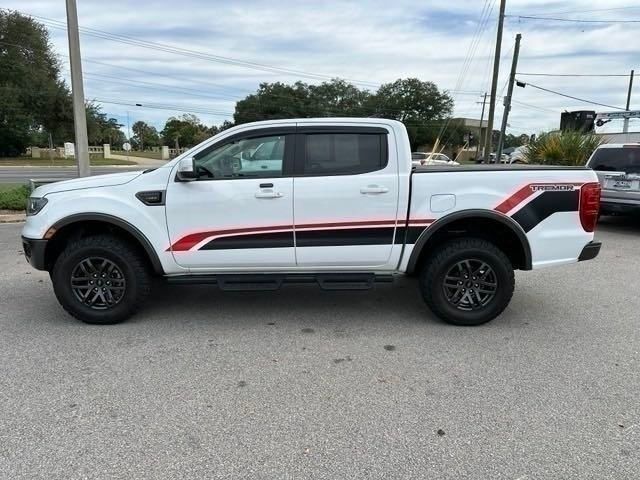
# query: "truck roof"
352,120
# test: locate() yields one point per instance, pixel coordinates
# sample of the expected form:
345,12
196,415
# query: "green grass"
13,196
58,162
154,155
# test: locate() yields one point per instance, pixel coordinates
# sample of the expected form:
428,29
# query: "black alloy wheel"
98,283
470,284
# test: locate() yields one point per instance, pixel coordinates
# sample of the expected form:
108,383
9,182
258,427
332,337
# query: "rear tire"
467,282
101,279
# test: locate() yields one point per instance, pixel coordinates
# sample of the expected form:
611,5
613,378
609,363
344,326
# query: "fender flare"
472,213
118,222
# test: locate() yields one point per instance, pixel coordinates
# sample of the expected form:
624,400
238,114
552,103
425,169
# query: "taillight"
589,205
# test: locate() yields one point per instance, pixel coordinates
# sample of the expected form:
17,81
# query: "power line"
536,107
195,53
575,74
572,97
588,11
573,20
172,77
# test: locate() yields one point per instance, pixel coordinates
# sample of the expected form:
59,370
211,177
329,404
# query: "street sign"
69,150
616,115
126,146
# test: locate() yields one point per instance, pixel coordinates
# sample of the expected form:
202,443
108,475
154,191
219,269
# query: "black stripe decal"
317,238
258,240
343,237
544,206
413,233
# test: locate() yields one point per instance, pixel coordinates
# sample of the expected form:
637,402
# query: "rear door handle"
268,195
373,189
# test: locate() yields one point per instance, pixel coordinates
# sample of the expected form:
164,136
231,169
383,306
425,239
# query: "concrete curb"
13,218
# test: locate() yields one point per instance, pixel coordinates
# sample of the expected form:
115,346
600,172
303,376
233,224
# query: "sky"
233,46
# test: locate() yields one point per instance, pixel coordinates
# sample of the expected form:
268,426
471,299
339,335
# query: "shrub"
562,148
14,198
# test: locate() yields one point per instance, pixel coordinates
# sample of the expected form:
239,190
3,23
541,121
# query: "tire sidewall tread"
437,266
126,257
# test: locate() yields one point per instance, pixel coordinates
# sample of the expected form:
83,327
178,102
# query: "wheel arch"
473,222
83,222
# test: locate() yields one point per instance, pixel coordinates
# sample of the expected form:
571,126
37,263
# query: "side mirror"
187,170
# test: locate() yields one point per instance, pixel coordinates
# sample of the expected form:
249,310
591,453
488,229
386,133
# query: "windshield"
625,159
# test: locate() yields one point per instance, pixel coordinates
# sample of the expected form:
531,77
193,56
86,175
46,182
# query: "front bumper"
34,251
590,251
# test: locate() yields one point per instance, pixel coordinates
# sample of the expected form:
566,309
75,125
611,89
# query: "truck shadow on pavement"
304,304
619,224
399,304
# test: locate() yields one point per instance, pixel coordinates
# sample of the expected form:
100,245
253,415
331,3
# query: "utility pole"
507,100
77,90
481,140
494,83
625,128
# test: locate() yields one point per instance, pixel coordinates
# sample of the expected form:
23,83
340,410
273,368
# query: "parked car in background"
618,169
431,158
518,155
492,159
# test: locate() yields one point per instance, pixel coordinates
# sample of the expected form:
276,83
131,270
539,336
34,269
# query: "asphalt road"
305,384
23,174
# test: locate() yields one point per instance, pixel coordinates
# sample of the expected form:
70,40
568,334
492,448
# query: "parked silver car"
618,169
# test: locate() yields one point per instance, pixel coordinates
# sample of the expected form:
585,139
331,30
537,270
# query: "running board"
273,281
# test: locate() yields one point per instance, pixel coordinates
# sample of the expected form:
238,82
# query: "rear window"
344,153
625,159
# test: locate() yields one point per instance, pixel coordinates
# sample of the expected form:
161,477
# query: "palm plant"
562,148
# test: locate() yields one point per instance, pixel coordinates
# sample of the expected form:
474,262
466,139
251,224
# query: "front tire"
467,282
101,279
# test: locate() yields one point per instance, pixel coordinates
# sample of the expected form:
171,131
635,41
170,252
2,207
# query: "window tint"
248,157
344,153
626,159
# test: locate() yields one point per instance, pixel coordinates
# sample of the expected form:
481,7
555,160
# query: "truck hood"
108,180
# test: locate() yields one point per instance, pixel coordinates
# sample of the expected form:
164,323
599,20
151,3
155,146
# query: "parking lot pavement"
303,383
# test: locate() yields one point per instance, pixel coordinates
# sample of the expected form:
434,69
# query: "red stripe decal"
524,193
189,241
515,199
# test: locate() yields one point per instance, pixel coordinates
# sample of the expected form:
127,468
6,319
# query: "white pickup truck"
329,201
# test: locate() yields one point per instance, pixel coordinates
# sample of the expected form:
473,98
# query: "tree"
419,105
101,129
144,135
34,101
184,131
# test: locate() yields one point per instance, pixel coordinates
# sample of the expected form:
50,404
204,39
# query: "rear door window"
344,153
625,159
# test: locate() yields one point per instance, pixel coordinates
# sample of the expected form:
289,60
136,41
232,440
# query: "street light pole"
77,91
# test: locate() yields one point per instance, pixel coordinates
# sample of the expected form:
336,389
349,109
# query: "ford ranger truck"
334,202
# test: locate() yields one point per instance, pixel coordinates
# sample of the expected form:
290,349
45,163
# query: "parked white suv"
330,201
618,168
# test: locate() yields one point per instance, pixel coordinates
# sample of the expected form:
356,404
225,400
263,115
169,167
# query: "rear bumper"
590,251
34,251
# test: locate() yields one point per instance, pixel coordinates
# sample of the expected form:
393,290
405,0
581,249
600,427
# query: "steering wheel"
205,171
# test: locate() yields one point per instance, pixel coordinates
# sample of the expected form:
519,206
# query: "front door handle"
375,189
268,195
